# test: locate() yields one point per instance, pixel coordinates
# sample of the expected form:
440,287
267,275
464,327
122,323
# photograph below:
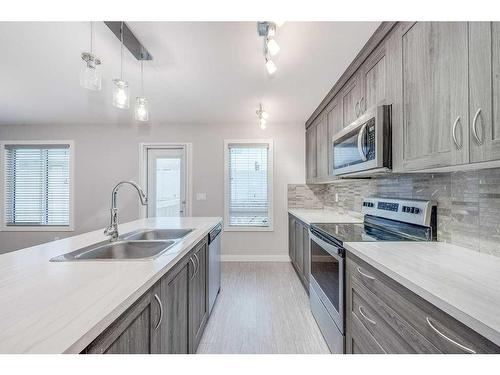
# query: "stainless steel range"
384,220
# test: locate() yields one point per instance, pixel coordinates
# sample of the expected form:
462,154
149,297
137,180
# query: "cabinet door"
435,95
299,247
307,255
374,79
311,153
198,296
291,238
484,90
350,97
322,149
174,297
133,332
335,124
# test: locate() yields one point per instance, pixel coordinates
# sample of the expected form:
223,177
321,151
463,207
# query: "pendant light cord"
121,51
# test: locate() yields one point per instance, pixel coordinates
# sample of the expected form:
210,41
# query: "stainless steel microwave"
365,146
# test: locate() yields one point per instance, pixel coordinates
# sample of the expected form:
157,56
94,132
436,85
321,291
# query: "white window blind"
37,185
248,185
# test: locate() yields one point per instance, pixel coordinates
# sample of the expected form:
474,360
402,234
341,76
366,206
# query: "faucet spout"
112,229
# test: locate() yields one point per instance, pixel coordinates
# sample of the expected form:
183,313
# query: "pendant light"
90,76
121,97
141,102
263,116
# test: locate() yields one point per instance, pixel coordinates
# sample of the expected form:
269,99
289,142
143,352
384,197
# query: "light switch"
201,196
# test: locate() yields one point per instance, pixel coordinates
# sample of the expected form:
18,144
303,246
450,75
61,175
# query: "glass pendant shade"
121,97
90,76
141,109
273,47
262,123
271,67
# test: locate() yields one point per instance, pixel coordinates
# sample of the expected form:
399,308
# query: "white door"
166,181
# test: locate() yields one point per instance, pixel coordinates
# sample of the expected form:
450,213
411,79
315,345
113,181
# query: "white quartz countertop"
463,283
60,307
309,216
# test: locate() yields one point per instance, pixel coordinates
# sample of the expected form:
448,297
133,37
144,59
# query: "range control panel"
406,210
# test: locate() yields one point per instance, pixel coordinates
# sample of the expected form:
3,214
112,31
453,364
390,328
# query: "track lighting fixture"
271,47
90,76
121,97
262,116
141,102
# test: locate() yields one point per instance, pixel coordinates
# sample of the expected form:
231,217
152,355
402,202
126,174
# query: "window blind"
37,185
248,185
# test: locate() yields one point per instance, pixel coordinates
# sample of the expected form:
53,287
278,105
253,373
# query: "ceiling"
202,72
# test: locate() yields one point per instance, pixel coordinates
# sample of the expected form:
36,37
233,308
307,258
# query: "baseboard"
255,258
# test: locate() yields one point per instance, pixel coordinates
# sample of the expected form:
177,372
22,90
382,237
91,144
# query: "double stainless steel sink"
138,245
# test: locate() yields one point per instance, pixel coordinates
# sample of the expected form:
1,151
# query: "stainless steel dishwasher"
213,265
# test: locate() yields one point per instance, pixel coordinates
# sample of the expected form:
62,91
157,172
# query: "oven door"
327,277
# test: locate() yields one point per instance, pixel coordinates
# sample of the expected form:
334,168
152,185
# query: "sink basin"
156,234
119,250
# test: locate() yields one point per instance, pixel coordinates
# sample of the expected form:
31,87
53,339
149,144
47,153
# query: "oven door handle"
360,142
333,250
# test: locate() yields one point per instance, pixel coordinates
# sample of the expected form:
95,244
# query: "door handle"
194,271
198,263
360,145
463,347
454,135
161,311
356,109
474,128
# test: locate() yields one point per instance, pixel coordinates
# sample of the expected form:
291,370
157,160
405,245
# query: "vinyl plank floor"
262,308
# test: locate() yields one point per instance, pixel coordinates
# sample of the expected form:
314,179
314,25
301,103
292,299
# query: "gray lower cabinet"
135,332
382,316
198,295
170,318
298,248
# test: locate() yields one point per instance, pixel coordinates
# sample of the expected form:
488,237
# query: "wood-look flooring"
262,308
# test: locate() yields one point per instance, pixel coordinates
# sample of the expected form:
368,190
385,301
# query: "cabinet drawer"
392,332
362,341
447,334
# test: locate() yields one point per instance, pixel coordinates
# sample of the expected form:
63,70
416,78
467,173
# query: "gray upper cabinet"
350,97
435,95
311,154
374,76
484,91
322,149
335,124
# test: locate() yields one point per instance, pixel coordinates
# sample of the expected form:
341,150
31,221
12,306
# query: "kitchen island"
62,307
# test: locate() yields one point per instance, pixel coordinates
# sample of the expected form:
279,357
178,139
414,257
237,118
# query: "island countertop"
461,282
61,307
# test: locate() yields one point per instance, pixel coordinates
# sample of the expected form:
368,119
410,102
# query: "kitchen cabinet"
435,95
169,318
484,91
174,289
350,98
322,149
335,124
374,77
382,316
311,154
135,332
298,248
198,295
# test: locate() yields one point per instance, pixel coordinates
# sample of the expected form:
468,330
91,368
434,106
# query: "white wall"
105,154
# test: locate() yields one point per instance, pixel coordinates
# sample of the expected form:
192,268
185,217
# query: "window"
248,185
38,186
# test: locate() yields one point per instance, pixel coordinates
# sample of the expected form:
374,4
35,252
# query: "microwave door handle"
360,142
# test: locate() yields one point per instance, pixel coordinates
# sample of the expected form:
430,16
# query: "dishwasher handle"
214,233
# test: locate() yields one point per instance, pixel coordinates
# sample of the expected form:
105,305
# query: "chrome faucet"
112,229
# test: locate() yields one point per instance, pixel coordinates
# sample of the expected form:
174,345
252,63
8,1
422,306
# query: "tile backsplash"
468,202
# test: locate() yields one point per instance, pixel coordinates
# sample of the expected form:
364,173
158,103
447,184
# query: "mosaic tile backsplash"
468,202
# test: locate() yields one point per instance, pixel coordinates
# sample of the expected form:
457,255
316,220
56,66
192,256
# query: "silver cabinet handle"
356,109
198,263
360,143
194,271
454,135
464,348
364,274
362,105
360,309
161,311
474,128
